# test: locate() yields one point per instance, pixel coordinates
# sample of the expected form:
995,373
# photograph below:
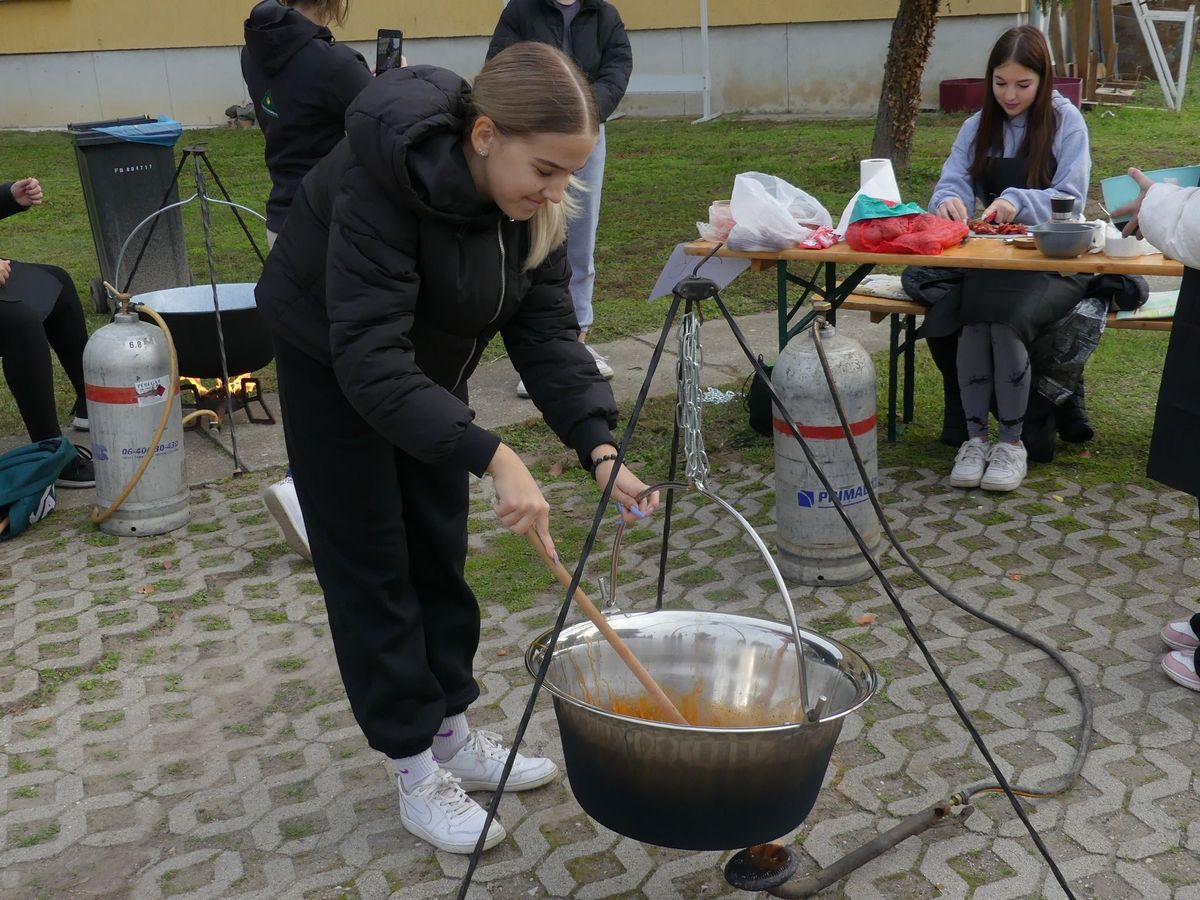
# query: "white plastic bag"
772,214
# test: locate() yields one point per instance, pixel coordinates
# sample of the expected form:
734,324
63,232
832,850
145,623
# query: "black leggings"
25,343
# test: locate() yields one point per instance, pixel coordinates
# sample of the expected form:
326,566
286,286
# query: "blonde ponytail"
532,88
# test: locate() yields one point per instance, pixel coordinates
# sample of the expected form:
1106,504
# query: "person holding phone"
1168,216
591,33
437,224
40,311
389,48
301,83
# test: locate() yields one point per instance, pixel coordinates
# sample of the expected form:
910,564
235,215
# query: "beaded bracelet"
599,459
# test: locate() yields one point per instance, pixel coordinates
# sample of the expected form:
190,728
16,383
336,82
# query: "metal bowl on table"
1062,240
747,772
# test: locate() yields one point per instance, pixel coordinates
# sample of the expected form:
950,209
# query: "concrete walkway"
174,724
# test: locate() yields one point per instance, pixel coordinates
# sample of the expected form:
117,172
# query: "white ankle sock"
451,735
412,770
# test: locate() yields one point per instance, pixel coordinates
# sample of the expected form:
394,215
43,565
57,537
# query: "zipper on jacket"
499,302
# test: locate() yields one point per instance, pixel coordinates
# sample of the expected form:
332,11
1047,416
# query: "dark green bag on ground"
27,477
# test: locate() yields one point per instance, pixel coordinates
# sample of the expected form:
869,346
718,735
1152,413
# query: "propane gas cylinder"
127,371
815,547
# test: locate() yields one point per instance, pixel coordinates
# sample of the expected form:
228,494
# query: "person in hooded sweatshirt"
1026,145
437,224
301,83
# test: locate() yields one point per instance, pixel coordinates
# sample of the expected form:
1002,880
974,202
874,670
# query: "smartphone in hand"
389,44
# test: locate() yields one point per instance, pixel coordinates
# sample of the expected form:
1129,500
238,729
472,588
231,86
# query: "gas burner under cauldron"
243,390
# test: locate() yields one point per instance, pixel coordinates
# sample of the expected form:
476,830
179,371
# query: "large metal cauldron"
716,786
189,314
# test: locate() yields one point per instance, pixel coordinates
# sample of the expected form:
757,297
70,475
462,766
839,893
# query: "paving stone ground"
175,725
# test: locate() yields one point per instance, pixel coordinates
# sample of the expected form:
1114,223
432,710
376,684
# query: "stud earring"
483,151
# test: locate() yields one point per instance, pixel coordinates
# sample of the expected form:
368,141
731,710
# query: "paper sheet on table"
721,269
882,184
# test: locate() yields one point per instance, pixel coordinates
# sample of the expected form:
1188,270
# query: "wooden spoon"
665,705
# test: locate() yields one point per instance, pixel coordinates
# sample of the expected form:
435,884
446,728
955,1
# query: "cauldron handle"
811,712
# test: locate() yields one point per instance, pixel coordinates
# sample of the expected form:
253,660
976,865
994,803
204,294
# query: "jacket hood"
275,33
406,130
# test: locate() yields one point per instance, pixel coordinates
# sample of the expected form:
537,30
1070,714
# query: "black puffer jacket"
599,43
301,83
392,271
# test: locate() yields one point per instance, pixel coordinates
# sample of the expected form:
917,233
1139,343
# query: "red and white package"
821,239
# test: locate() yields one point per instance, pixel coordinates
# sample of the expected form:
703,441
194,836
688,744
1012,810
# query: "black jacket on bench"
392,271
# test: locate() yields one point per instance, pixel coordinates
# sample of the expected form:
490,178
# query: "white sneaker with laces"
1006,467
970,463
284,507
479,762
438,811
606,371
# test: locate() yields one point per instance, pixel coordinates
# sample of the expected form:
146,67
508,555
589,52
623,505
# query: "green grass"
661,176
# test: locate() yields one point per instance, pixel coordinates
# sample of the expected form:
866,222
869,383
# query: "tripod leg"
236,212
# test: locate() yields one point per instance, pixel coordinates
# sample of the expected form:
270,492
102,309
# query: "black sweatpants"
389,543
25,343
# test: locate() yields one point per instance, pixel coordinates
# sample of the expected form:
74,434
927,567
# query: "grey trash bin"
126,168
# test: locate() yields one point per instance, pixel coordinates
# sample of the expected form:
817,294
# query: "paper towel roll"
881,176
876,179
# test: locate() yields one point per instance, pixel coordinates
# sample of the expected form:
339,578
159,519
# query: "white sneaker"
285,509
606,371
1006,467
970,463
479,762
522,391
438,811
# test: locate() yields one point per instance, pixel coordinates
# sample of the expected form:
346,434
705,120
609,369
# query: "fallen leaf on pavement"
866,619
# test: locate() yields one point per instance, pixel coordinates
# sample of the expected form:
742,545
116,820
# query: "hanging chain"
690,408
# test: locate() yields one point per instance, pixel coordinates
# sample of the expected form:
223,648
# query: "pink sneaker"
1179,636
1180,667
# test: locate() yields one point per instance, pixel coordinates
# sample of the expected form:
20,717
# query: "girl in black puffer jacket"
435,225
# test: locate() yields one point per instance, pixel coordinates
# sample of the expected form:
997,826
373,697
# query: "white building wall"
819,69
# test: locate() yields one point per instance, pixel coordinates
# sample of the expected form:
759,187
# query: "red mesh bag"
922,234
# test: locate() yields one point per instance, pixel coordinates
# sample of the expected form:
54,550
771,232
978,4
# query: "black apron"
1173,444
1025,301
33,287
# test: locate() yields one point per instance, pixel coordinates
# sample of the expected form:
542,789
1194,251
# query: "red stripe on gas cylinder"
828,432
97,394
114,395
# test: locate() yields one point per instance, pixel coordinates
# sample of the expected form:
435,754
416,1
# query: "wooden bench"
902,316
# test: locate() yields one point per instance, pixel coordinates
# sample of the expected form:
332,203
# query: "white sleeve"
1170,220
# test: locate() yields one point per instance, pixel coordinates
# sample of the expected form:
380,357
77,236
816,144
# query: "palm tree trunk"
900,99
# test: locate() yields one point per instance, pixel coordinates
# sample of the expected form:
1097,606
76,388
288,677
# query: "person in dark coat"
1169,217
40,311
590,32
301,83
437,224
